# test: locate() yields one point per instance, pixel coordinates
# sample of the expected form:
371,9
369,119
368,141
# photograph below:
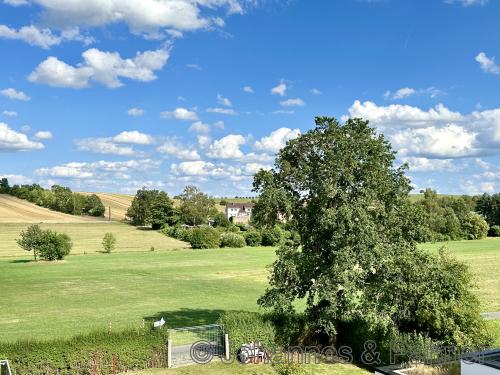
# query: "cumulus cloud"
227,147
194,66
153,18
419,164
172,147
222,111
10,113
104,146
16,179
487,64
467,3
102,168
400,94
105,68
43,135
315,92
133,137
248,89
181,114
199,127
43,38
13,94
16,3
224,101
136,112
10,140
276,140
280,89
297,102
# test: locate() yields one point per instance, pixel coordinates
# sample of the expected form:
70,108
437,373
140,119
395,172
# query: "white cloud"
401,115
297,102
14,94
194,66
203,140
133,137
280,89
43,38
10,140
153,18
16,3
248,89
199,127
419,164
181,114
283,112
43,135
227,147
315,92
222,111
101,67
174,148
224,101
10,113
276,140
136,112
400,94
104,146
467,3
219,125
98,169
16,179
487,64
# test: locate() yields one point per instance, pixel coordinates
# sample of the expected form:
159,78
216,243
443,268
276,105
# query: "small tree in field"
109,242
30,240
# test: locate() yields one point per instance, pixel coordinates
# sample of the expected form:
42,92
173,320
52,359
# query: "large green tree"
196,206
350,205
151,207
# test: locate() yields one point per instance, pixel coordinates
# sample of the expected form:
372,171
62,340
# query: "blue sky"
113,95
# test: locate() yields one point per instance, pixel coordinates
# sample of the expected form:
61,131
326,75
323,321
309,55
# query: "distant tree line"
57,198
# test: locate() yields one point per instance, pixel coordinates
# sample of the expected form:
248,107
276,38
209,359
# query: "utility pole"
109,217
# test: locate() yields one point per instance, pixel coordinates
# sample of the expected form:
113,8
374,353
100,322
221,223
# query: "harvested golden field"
119,204
14,210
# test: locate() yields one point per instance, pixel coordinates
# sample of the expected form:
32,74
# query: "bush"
109,242
253,238
290,368
272,236
177,232
244,327
93,206
495,231
46,244
220,220
474,226
134,349
229,239
204,237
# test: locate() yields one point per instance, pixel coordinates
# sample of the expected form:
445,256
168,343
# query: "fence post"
169,353
226,346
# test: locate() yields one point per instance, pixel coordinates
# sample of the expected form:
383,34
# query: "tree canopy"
342,193
196,206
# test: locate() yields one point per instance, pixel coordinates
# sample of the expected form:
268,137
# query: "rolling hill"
14,210
119,203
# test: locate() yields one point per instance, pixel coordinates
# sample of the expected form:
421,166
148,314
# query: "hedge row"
206,237
133,350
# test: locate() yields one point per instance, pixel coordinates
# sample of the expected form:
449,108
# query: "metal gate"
195,345
5,368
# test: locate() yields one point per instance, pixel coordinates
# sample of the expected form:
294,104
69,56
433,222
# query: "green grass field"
87,238
186,287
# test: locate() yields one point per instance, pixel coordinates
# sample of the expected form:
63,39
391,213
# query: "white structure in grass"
4,367
159,323
240,212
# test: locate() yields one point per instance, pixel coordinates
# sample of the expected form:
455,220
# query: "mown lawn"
217,368
87,238
186,287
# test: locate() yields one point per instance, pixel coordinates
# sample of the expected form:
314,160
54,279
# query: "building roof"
240,205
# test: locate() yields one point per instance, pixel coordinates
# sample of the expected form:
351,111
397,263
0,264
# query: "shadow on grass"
21,261
186,317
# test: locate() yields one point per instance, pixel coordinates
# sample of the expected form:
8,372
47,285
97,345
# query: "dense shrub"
474,226
220,220
272,236
54,246
253,237
93,206
495,231
45,244
134,349
290,368
204,237
108,242
229,239
177,232
245,327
